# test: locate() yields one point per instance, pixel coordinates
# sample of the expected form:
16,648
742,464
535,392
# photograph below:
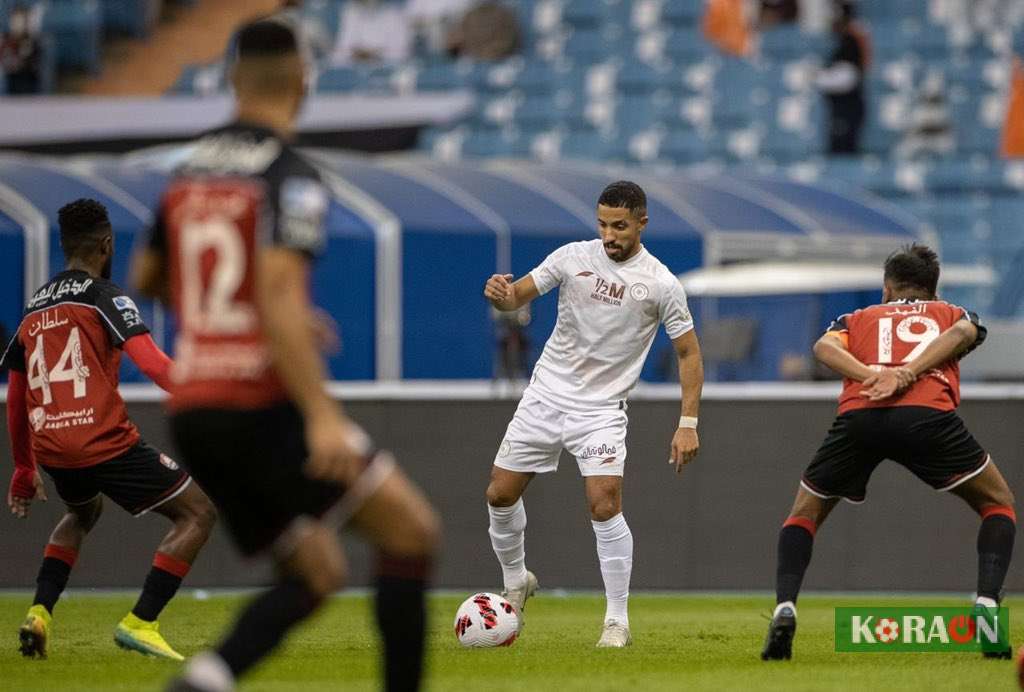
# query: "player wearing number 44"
65,415
612,296
900,361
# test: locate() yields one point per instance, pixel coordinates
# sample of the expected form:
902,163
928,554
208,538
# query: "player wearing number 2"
65,415
900,361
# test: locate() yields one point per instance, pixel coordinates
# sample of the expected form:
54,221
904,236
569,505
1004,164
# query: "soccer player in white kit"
613,296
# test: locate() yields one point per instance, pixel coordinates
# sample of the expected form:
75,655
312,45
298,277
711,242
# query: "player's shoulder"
107,290
660,273
236,149
67,286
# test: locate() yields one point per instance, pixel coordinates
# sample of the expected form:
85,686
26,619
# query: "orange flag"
726,27
1013,128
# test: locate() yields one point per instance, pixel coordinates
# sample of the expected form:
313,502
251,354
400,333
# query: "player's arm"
508,296
154,363
831,350
26,485
283,303
685,442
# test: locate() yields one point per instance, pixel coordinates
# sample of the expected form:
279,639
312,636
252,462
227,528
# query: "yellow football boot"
138,635
35,632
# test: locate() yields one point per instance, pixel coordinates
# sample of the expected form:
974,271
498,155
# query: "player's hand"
685,445
500,291
19,505
326,333
337,448
887,383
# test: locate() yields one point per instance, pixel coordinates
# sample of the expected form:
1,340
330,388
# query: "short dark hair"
266,37
624,194
83,223
912,267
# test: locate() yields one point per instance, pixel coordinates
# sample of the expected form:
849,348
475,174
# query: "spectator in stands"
21,53
432,20
489,31
373,31
775,12
842,82
930,130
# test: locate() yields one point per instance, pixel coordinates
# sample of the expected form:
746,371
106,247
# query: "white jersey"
608,314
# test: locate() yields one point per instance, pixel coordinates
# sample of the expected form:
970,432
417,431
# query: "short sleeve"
13,357
674,312
120,314
301,206
551,272
839,325
973,318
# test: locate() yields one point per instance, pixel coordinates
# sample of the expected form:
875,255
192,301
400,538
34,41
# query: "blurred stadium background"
445,169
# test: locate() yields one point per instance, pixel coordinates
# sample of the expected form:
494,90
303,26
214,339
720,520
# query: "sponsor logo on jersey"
169,462
603,450
57,290
639,292
303,205
38,418
230,153
505,449
609,293
585,274
125,303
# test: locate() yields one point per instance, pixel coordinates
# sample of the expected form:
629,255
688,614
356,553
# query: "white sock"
785,604
986,601
208,671
508,538
615,552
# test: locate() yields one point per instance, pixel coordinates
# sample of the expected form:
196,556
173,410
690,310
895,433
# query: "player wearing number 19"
900,360
64,413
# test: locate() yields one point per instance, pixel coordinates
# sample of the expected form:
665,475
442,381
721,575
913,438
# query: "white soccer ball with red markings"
485,620
887,630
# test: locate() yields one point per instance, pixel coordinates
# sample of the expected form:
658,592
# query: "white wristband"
688,422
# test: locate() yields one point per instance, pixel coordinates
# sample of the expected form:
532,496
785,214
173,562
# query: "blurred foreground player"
64,413
231,249
900,361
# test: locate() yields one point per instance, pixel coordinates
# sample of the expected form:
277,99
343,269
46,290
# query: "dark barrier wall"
713,527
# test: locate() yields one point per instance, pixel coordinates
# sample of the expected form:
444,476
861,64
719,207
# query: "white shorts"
538,433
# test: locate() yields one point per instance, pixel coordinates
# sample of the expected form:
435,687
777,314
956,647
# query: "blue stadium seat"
686,44
490,143
635,78
685,146
342,79
787,42
77,30
682,12
133,17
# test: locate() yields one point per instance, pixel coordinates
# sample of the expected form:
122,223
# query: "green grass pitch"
681,642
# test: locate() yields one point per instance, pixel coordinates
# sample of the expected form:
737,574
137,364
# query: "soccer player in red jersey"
901,388
237,231
66,416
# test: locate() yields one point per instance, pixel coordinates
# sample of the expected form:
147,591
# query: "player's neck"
271,117
908,297
81,265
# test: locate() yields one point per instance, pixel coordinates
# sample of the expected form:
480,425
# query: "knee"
319,562
498,496
199,515
604,508
86,516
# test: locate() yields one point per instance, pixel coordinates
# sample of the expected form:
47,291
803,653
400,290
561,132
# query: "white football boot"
518,596
614,636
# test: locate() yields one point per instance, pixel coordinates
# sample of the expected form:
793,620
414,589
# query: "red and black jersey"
891,334
241,189
69,347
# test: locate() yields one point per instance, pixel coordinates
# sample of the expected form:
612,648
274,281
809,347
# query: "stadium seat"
133,17
342,79
77,30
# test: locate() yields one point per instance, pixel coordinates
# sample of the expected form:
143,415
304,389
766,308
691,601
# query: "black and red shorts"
250,463
139,480
934,445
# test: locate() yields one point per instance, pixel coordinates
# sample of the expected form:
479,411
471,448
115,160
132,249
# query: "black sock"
995,547
402,619
265,622
53,577
796,542
159,588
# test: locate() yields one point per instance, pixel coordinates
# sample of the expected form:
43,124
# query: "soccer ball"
887,630
485,620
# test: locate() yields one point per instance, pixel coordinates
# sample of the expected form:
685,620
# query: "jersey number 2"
70,367
905,334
